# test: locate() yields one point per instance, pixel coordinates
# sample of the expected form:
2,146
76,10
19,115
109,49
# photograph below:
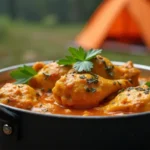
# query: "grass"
29,43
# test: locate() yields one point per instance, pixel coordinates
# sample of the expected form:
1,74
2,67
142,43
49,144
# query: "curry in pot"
85,84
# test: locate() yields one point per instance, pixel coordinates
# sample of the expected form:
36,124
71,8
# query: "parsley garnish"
148,83
23,74
80,59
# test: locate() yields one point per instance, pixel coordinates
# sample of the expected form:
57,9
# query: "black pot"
26,130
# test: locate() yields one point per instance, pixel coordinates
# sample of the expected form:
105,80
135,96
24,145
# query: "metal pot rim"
145,67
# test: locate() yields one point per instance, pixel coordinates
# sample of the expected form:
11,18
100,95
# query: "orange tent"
121,20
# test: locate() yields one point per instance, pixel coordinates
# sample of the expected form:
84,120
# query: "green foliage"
5,23
23,74
28,42
49,20
37,10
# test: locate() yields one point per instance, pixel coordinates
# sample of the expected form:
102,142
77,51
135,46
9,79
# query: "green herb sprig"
23,74
80,59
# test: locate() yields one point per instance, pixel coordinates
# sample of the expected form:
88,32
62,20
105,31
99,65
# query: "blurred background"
36,30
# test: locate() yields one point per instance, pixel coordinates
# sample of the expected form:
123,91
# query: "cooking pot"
25,130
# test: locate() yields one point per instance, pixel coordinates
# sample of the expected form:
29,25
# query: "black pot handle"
9,125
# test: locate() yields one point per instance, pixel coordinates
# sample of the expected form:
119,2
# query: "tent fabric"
119,19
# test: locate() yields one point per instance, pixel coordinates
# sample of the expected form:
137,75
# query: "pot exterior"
39,132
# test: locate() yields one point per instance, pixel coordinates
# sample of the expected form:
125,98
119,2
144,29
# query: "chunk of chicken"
48,75
104,68
127,71
38,66
85,90
20,95
132,99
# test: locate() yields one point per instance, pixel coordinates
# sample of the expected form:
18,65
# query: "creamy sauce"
48,105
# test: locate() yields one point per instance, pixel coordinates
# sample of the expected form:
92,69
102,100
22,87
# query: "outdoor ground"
27,43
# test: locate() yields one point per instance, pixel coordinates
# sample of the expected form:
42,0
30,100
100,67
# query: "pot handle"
9,125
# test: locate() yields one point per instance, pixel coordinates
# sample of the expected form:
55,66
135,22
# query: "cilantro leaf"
69,60
148,83
23,74
78,54
83,66
22,80
80,59
92,53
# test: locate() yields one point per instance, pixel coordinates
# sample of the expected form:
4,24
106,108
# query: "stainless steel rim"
114,62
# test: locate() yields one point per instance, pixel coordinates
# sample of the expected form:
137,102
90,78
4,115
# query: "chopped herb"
23,74
82,77
92,90
46,76
130,88
119,83
80,59
146,92
92,80
139,89
19,86
109,69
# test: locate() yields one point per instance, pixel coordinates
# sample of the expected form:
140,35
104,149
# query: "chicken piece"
132,99
38,66
104,68
48,75
18,95
85,90
127,71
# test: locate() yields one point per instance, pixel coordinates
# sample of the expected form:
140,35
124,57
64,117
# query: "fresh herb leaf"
83,66
78,54
148,83
80,59
92,53
23,74
68,61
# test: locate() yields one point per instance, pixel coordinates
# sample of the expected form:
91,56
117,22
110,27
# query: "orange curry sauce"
47,104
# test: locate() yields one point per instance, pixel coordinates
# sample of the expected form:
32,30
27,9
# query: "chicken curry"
101,89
